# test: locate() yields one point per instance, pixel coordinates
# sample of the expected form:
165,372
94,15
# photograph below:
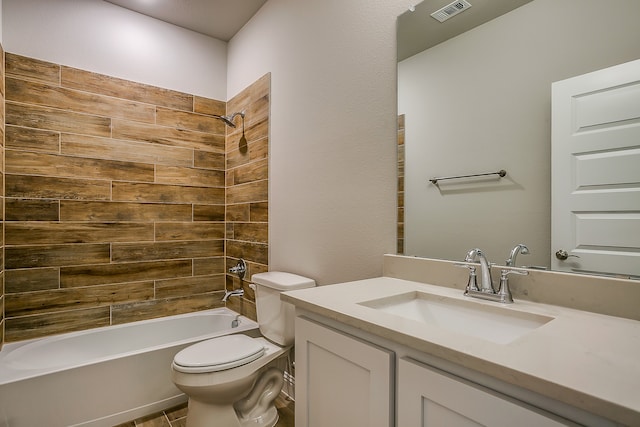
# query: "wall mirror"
474,94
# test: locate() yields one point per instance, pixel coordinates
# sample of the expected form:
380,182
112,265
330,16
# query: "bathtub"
104,376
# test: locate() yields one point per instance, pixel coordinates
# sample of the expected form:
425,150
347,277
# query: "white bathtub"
105,376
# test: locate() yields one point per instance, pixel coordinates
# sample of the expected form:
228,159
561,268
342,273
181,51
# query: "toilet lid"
218,354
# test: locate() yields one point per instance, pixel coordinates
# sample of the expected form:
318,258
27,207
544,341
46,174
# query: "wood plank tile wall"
247,199
115,200
400,231
1,196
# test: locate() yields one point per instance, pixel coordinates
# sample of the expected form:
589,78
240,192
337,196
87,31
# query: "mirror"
474,94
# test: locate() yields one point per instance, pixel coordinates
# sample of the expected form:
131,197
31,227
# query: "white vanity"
396,351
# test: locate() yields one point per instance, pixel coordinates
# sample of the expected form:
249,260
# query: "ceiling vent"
451,10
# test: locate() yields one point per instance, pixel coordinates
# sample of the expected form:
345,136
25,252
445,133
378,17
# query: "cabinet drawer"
430,397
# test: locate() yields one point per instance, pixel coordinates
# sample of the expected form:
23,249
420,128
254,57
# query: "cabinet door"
340,379
429,397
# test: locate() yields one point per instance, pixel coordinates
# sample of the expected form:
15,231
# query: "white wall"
333,130
481,102
98,36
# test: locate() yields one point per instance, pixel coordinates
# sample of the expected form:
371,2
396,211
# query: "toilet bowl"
233,381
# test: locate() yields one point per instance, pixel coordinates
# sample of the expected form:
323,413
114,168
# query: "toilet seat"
218,354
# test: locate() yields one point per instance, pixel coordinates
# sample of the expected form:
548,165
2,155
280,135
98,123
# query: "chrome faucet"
486,289
519,248
486,284
234,293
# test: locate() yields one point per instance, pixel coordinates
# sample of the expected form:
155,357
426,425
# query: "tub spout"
234,293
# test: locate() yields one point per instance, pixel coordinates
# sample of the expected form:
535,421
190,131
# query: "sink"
496,324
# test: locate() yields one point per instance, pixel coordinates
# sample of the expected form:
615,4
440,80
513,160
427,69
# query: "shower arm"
228,120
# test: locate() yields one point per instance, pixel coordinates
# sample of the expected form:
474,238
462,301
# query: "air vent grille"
451,10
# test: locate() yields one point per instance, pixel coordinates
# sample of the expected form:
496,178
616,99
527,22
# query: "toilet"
233,380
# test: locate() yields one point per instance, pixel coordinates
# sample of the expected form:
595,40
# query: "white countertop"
587,360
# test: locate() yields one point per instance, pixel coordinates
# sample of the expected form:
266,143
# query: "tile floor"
177,416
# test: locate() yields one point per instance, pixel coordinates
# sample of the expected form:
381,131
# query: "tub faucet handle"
240,269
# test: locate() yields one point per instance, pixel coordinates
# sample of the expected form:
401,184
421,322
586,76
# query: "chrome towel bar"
501,173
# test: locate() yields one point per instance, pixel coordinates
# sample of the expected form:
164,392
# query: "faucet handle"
504,292
472,284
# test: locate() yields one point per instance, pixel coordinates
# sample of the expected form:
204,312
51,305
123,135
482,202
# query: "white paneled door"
595,202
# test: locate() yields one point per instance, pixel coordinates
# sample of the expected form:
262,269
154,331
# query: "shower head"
228,120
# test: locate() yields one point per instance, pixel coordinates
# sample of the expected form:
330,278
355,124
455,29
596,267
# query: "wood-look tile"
259,110
208,266
22,66
32,139
251,192
191,121
251,232
257,150
39,302
208,160
36,326
34,163
48,95
162,193
254,171
31,210
208,212
162,135
130,151
31,279
260,87
44,233
56,120
55,255
259,212
103,274
189,176
239,212
239,102
125,89
256,252
73,210
124,252
188,231
42,187
187,286
209,106
153,421
124,313
161,177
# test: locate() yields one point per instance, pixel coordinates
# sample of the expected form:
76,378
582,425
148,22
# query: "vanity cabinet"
341,380
344,380
429,397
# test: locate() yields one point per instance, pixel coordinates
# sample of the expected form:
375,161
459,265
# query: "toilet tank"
275,317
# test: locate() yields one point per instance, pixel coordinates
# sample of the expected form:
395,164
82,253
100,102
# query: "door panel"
595,195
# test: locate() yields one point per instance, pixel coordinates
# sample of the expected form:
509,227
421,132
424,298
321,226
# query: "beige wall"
333,135
482,102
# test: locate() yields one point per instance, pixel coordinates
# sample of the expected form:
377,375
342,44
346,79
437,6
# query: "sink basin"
492,323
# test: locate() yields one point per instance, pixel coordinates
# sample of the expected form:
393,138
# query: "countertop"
587,360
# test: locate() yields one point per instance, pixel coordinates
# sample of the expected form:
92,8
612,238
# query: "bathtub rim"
12,375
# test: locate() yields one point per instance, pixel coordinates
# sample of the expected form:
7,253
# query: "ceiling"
220,19
418,31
